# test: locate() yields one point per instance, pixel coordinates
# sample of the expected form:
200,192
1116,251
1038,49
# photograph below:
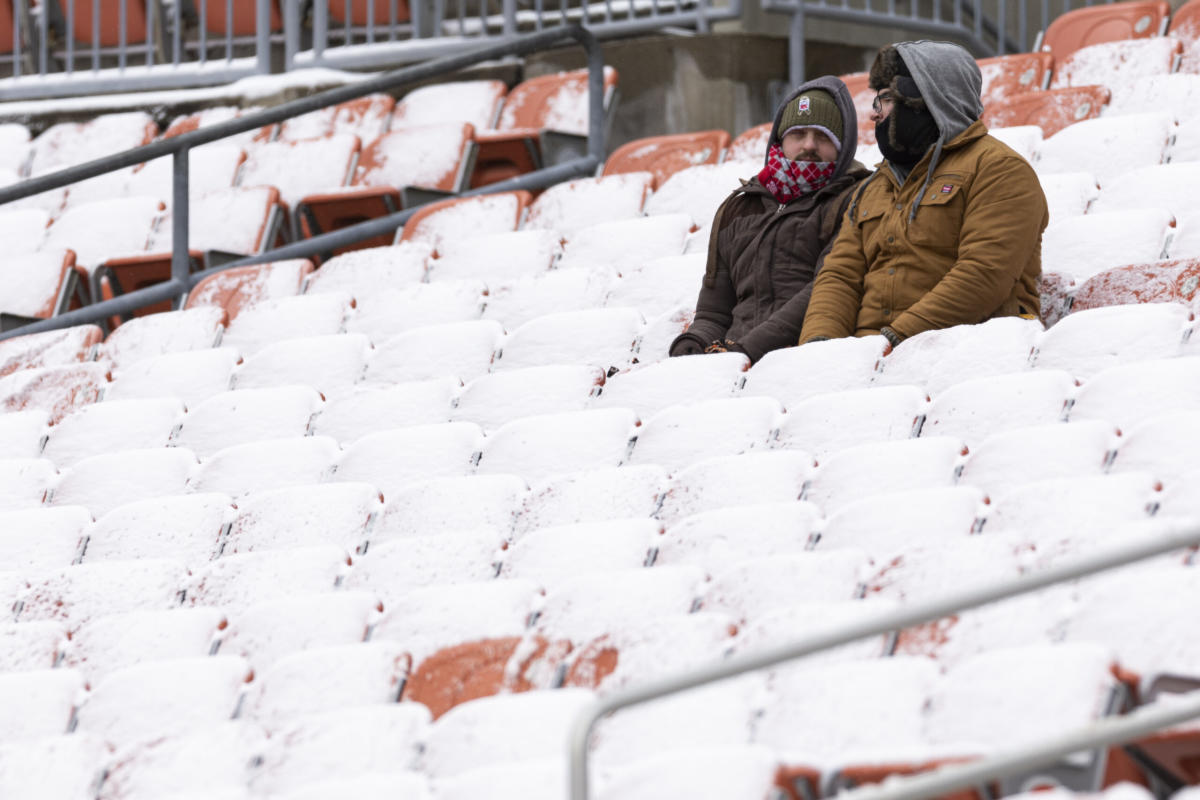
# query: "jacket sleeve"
1002,225
782,329
837,291
714,306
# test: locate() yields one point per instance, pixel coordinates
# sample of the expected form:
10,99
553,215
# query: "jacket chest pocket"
939,219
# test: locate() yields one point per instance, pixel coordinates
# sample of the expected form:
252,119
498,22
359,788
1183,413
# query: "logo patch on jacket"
947,188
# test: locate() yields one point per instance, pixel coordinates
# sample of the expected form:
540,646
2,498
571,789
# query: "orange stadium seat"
48,285
555,102
750,144
1080,27
236,289
1004,76
1159,282
663,156
367,117
480,215
1052,110
395,160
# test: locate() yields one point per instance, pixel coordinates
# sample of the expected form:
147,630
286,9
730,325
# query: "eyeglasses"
884,98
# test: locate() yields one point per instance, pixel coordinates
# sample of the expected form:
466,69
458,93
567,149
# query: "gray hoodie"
949,81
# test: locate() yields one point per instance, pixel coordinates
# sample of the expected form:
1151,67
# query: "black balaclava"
905,134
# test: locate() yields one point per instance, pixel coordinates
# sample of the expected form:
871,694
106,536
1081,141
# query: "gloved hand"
893,339
687,347
734,347
716,347
817,339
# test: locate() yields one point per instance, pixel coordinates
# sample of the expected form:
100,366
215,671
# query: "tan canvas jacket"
971,252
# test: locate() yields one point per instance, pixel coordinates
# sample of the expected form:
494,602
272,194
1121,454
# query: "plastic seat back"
1004,76
1052,110
1138,19
663,156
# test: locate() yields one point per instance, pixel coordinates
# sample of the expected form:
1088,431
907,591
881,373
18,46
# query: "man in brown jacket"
769,236
948,231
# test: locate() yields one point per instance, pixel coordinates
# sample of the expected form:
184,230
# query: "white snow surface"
1107,147
979,407
760,476
364,271
680,435
697,191
462,349
494,399
105,229
41,538
568,207
602,337
625,244
1169,185
1083,246
792,374
192,376
187,527
1176,94
836,420
298,168
712,539
104,427
31,281
1068,193
41,703
22,432
474,216
23,229
158,334
660,285
246,415
366,409
117,641
476,102
103,482
650,388
418,155
1024,139
495,257
1117,63
543,445
1130,394
331,364
299,516
387,312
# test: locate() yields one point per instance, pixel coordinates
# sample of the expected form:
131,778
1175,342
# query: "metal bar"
509,8
203,29
95,35
796,48
392,34
122,32
977,47
291,32
228,31
179,216
482,17
151,32
608,15
177,35
44,49
1022,26
1001,24
71,35
370,21
17,55
346,21
538,10
320,28
885,623
262,34
1111,730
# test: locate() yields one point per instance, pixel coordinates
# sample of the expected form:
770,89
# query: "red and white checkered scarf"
786,179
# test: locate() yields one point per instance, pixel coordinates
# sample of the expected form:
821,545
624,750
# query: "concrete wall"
671,84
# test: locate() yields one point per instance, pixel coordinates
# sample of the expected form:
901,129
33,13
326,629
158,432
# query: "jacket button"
891,239
891,270
887,312
899,206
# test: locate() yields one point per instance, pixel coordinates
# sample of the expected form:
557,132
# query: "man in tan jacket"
948,230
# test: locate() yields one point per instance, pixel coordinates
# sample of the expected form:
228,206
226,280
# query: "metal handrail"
889,623
179,147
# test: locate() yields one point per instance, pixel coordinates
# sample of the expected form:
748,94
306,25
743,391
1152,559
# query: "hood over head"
949,81
845,104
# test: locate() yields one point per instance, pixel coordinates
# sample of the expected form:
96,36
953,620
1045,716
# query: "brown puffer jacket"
763,256
971,252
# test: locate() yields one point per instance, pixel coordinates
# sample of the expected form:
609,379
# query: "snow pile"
476,102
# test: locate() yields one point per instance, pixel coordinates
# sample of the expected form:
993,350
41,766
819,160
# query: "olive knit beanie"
812,109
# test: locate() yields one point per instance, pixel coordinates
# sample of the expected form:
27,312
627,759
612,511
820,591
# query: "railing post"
510,17
796,47
424,19
262,34
291,33
179,217
320,29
